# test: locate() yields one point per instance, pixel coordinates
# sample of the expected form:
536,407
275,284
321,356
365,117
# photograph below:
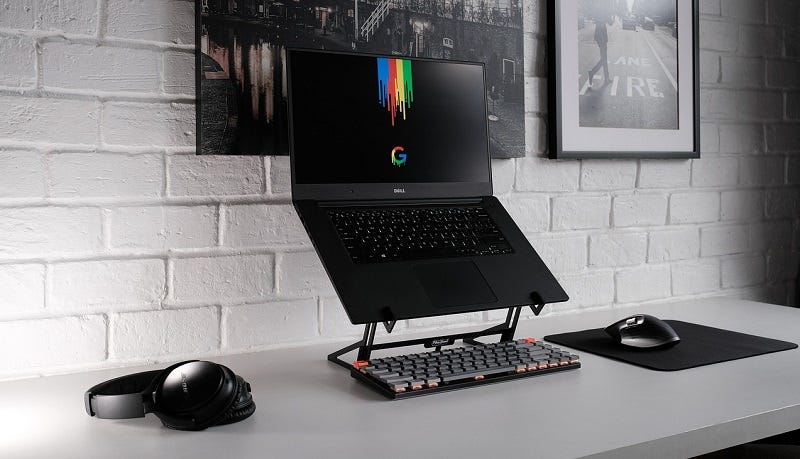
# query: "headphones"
191,395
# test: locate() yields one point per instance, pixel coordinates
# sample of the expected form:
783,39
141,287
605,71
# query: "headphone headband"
129,396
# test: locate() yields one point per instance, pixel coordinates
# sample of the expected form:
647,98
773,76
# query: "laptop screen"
360,119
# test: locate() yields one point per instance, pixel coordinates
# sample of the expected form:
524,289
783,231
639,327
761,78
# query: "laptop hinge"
404,202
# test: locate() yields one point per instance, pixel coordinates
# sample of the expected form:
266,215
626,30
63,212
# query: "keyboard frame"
385,391
367,344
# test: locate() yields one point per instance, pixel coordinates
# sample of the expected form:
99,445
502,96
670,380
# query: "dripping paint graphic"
395,86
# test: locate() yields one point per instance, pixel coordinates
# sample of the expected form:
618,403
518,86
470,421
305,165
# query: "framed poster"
241,54
623,79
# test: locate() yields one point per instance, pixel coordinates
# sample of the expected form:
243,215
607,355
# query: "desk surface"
308,407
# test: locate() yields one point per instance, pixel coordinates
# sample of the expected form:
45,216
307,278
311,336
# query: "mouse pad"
700,345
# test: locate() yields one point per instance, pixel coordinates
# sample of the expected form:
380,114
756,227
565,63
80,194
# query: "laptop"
391,177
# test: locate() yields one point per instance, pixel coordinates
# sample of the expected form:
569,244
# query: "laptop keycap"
413,233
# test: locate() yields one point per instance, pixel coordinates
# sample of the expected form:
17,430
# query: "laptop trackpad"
454,284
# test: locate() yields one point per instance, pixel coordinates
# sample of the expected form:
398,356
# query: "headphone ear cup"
243,406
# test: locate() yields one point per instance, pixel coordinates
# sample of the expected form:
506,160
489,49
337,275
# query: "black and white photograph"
242,105
624,78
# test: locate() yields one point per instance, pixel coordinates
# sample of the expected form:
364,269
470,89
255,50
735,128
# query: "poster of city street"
242,93
624,78
628,54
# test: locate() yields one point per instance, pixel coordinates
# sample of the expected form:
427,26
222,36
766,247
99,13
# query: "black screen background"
343,135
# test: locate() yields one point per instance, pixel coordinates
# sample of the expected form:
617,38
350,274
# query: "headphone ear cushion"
243,406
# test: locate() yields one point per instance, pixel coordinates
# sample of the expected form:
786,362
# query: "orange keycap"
360,363
529,340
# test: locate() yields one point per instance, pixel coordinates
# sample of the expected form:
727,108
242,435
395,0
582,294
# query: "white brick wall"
118,245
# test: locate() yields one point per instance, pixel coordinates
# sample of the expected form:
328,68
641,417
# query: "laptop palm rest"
454,284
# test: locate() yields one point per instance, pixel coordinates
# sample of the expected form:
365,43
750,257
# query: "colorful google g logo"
398,159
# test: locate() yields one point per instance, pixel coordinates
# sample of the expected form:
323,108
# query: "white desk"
308,407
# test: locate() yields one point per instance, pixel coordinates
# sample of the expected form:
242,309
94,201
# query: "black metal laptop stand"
367,344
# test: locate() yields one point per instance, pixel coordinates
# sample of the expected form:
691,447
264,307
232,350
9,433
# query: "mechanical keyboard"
435,371
413,233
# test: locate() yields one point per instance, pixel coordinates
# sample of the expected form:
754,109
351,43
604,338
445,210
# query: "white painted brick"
44,231
157,333
715,171
531,213
742,205
269,323
741,138
709,68
758,171
539,174
101,68
215,279
594,288
260,224
503,172
70,16
105,175
608,174
23,174
724,240
566,254
746,10
535,135
691,278
710,7
757,40
718,36
694,207
743,71
771,235
215,175
280,175
21,289
302,273
680,244
51,343
640,210
709,137
793,171
107,285
179,72
783,266
783,203
643,283
743,271
164,227
581,212
152,20
739,104
149,124
335,322
41,119
17,14
664,173
20,52
535,95
617,249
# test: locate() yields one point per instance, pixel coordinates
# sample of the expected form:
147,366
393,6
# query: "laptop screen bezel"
400,190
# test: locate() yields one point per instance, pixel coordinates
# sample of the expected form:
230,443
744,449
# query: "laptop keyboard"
429,372
412,233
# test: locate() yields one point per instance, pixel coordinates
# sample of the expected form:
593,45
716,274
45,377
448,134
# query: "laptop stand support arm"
367,343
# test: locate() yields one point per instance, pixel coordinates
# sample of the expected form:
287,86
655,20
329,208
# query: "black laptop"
391,177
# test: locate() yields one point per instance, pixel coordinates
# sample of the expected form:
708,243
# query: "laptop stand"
367,344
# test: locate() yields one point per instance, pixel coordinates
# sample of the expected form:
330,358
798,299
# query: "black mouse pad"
700,345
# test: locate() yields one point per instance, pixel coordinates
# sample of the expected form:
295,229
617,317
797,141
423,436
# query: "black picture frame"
576,122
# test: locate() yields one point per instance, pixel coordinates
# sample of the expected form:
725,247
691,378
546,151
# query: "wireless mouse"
643,332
